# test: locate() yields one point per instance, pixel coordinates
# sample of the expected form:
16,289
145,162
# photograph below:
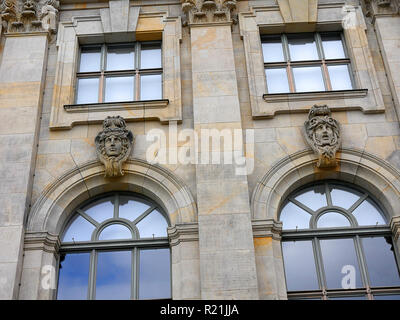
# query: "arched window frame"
135,245
355,232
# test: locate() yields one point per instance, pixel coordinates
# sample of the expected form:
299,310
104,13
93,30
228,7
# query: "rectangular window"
306,63
119,73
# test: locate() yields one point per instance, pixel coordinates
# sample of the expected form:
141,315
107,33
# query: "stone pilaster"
26,28
227,259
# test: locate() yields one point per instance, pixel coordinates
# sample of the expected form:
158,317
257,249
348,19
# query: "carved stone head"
114,145
322,133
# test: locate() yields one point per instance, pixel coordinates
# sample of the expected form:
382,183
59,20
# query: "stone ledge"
182,233
267,228
41,241
395,226
325,95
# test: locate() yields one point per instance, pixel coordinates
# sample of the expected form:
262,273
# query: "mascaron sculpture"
322,133
114,145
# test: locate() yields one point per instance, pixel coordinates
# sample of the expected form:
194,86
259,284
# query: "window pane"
293,216
120,58
387,297
298,259
348,298
308,79
154,274
100,210
273,51
79,230
340,77
314,197
332,219
154,224
343,197
88,90
150,58
340,264
368,214
302,48
90,59
277,81
381,262
333,46
131,209
113,276
74,277
119,89
150,87
115,231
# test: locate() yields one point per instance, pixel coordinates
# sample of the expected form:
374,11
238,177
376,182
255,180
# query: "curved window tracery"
337,244
115,247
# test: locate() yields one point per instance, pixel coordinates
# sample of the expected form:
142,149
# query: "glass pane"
387,297
154,274
73,277
113,276
343,197
273,51
153,225
150,87
120,58
119,89
90,59
79,230
348,298
368,214
298,258
293,216
340,264
88,90
333,46
150,58
302,48
332,219
100,210
131,209
381,262
314,197
308,79
115,231
277,81
340,77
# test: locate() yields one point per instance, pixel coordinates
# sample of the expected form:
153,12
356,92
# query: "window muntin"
362,245
313,62
115,72
102,255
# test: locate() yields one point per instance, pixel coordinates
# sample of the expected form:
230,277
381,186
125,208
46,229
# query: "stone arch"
56,203
354,166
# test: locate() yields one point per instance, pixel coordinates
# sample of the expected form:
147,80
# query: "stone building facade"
224,234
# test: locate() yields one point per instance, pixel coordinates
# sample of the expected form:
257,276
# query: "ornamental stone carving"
322,133
382,7
114,145
29,15
208,11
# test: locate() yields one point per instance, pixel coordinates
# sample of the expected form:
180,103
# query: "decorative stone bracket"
208,11
382,7
29,15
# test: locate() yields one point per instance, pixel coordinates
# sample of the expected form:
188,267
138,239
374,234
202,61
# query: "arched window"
115,247
337,244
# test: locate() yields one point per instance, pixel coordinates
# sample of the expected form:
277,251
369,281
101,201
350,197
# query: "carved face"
113,145
323,134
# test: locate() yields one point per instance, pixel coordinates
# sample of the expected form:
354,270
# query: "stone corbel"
29,15
209,11
382,7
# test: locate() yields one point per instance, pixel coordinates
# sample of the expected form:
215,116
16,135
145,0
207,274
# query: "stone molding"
43,241
267,19
183,232
357,167
267,228
205,12
56,203
382,7
395,226
27,16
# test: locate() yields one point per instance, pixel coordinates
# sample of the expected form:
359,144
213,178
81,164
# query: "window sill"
318,95
117,106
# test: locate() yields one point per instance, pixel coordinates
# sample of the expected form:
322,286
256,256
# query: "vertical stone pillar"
227,260
22,73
